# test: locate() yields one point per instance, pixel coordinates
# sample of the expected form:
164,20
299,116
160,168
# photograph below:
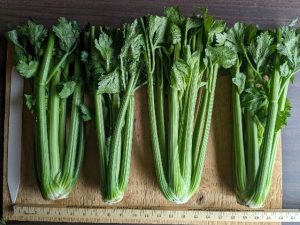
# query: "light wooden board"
215,192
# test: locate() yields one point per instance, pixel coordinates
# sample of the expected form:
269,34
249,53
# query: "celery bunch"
183,57
114,70
267,62
49,61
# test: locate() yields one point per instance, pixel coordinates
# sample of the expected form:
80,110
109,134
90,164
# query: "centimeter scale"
118,215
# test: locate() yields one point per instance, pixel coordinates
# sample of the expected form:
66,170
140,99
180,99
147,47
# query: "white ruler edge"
157,215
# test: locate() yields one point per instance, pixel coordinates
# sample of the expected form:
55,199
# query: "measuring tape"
119,215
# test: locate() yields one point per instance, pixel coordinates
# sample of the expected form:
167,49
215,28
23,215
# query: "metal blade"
15,134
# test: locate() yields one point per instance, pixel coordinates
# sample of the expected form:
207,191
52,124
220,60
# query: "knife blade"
15,135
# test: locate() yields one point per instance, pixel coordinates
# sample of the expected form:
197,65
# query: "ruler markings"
158,215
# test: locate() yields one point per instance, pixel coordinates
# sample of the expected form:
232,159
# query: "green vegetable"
183,56
266,63
113,66
49,60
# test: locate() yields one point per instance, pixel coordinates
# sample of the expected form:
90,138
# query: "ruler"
119,215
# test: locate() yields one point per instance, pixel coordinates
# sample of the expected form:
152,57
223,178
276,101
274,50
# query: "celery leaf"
67,34
65,89
239,80
85,112
283,116
27,70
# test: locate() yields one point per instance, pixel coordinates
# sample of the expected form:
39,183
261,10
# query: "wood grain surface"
215,192
267,13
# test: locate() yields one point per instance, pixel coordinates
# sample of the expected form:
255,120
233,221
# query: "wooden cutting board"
215,192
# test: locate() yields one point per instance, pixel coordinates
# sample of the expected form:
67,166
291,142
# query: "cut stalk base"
114,200
180,201
58,194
